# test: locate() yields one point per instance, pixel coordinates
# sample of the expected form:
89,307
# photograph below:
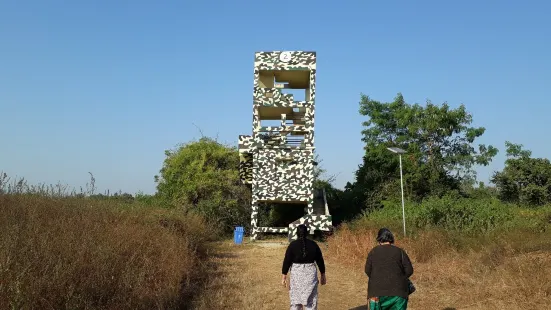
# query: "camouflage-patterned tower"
278,159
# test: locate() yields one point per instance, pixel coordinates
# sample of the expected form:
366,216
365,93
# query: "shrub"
454,213
203,176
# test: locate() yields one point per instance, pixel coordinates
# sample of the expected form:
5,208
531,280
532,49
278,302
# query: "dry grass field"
82,253
73,253
510,271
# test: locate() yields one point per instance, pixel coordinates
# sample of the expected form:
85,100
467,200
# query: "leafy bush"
203,177
454,213
463,214
524,180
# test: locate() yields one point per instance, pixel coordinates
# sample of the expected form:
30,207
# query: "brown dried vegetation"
78,253
492,272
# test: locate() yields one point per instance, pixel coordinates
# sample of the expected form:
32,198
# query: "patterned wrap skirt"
304,285
387,303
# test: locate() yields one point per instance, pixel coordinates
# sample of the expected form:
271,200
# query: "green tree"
203,176
439,143
524,179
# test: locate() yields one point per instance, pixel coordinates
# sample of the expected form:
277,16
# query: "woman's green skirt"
387,303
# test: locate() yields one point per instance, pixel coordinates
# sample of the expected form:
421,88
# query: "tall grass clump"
63,251
483,253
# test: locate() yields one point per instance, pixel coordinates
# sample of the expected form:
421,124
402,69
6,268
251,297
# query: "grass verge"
69,253
492,271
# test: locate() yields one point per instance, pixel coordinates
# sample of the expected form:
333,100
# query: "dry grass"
77,253
80,253
497,273
448,275
241,277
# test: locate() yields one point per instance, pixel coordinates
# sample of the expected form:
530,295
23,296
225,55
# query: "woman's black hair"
385,235
302,231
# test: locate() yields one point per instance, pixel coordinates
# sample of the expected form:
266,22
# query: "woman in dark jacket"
388,268
302,257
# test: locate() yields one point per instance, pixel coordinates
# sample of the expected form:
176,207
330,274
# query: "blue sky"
107,86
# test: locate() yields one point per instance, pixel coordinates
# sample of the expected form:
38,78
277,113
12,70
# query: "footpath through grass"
490,276
249,277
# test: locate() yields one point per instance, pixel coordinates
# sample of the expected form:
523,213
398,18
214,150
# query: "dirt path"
248,277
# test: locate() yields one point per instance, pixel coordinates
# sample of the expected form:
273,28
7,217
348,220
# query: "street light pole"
399,151
402,186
